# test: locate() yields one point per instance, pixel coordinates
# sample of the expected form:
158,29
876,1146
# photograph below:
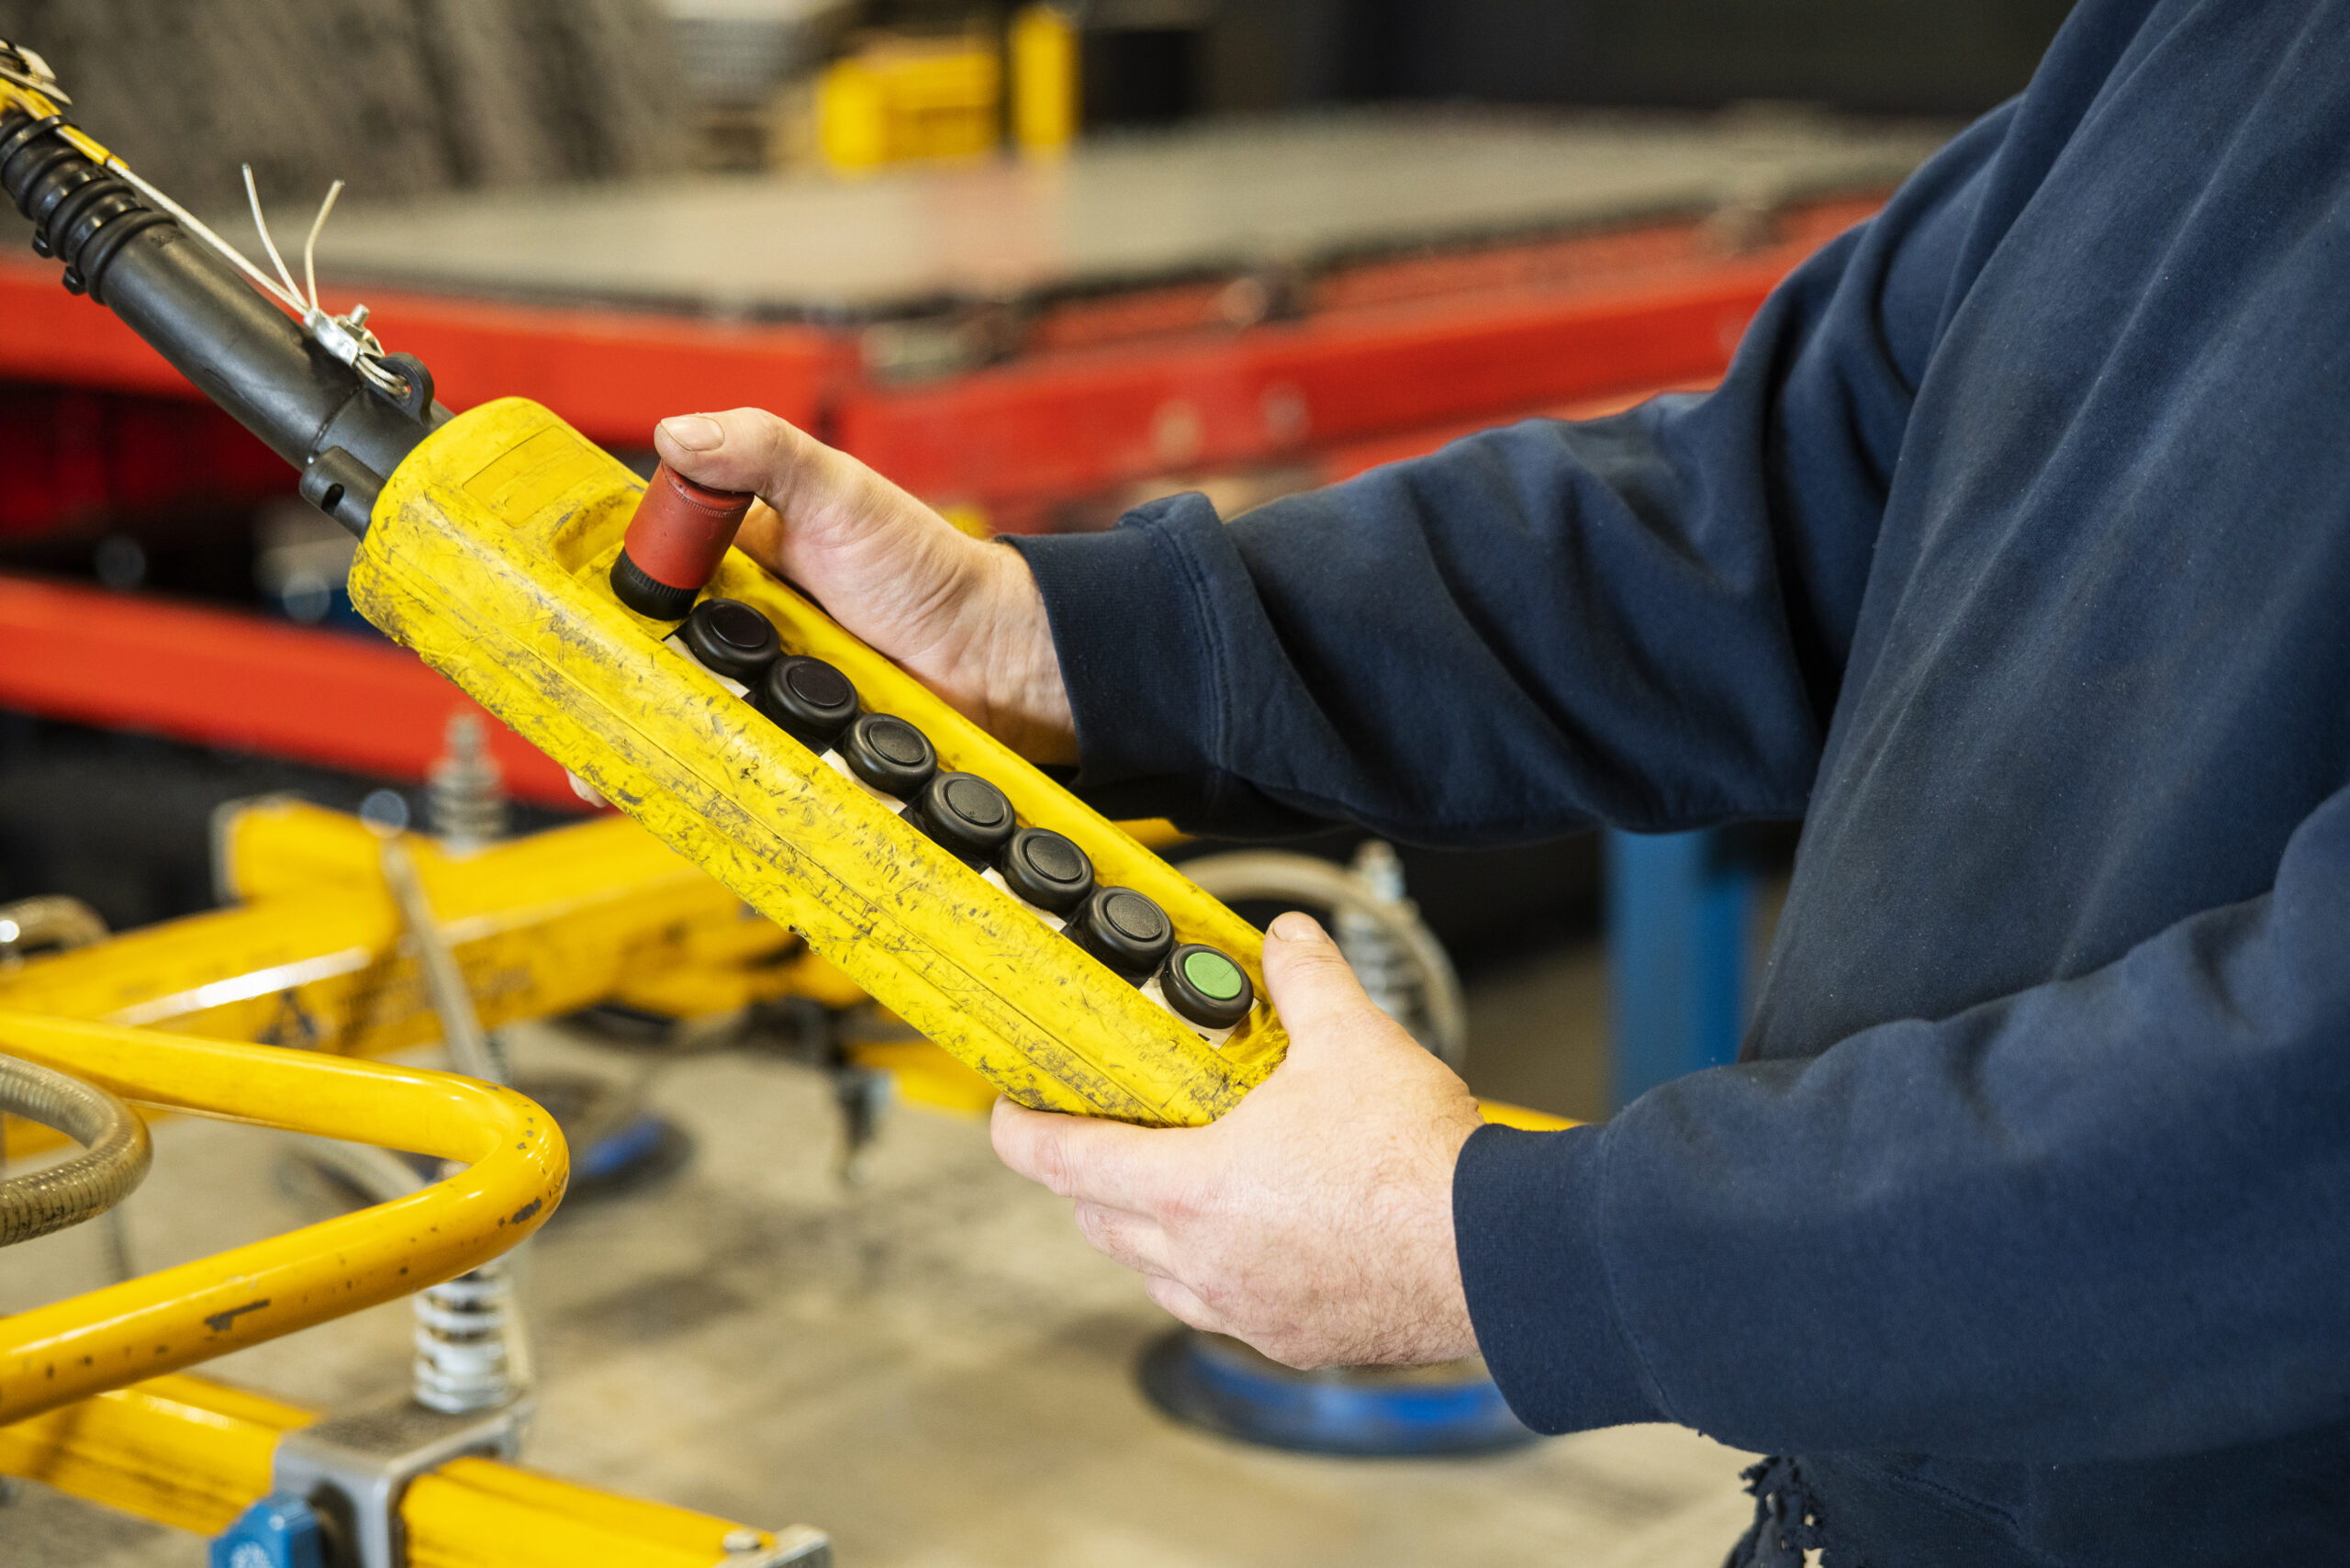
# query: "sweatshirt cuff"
1131,632
1526,1221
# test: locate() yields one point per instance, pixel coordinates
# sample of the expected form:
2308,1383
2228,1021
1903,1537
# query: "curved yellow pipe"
516,1168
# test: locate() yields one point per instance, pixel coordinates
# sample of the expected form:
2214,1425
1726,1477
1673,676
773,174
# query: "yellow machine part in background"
904,99
314,954
1044,80
193,1454
910,99
488,553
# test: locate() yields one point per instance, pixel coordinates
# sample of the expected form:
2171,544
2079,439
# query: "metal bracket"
796,1546
355,1469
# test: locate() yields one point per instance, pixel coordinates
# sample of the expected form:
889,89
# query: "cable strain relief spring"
83,214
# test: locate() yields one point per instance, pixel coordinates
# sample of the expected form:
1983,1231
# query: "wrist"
1452,1333
1023,697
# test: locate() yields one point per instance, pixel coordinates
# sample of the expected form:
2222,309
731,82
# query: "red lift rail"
612,373
1082,423
1401,358
221,678
233,680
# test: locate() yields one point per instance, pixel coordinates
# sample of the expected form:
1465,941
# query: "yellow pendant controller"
913,850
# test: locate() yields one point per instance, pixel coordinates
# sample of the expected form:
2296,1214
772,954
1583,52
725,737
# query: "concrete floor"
933,1367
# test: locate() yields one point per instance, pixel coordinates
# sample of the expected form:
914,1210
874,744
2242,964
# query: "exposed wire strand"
310,246
253,193
196,227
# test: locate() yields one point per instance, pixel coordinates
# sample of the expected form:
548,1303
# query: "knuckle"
1213,1292
1048,1157
1030,1145
1185,1306
1180,1205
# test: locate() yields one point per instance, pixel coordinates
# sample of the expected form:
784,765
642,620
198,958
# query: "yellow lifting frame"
586,908
194,1454
316,955
515,1162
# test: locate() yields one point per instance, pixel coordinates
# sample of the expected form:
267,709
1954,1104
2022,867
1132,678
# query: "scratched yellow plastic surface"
489,555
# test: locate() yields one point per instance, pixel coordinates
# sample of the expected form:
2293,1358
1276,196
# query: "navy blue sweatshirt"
2013,555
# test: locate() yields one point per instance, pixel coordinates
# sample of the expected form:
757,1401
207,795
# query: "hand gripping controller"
831,791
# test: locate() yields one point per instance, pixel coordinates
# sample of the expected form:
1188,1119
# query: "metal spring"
1390,975
468,1355
466,796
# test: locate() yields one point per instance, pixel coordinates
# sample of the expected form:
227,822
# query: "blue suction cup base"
1207,1381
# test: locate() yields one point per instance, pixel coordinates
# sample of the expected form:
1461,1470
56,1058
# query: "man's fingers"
1311,986
742,449
1133,1239
1093,1161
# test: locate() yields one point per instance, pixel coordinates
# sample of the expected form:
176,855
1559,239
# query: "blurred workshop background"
1038,263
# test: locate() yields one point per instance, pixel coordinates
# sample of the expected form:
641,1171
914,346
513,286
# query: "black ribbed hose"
113,1162
238,347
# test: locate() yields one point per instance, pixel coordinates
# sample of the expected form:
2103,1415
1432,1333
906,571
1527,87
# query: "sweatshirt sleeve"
2100,1218
1641,619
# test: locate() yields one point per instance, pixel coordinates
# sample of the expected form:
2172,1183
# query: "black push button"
1124,930
1047,870
964,814
888,753
1206,986
730,639
811,700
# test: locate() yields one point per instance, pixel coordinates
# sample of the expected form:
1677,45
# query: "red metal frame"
1080,424
241,681
1143,386
612,373
1399,358
222,679
73,453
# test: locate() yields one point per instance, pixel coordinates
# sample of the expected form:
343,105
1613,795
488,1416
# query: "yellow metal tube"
194,1454
479,1513
560,920
182,1451
516,1168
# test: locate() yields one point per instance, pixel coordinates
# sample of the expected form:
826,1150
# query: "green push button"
1214,975
1206,986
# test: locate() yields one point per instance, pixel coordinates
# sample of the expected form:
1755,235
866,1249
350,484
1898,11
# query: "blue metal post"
1679,918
